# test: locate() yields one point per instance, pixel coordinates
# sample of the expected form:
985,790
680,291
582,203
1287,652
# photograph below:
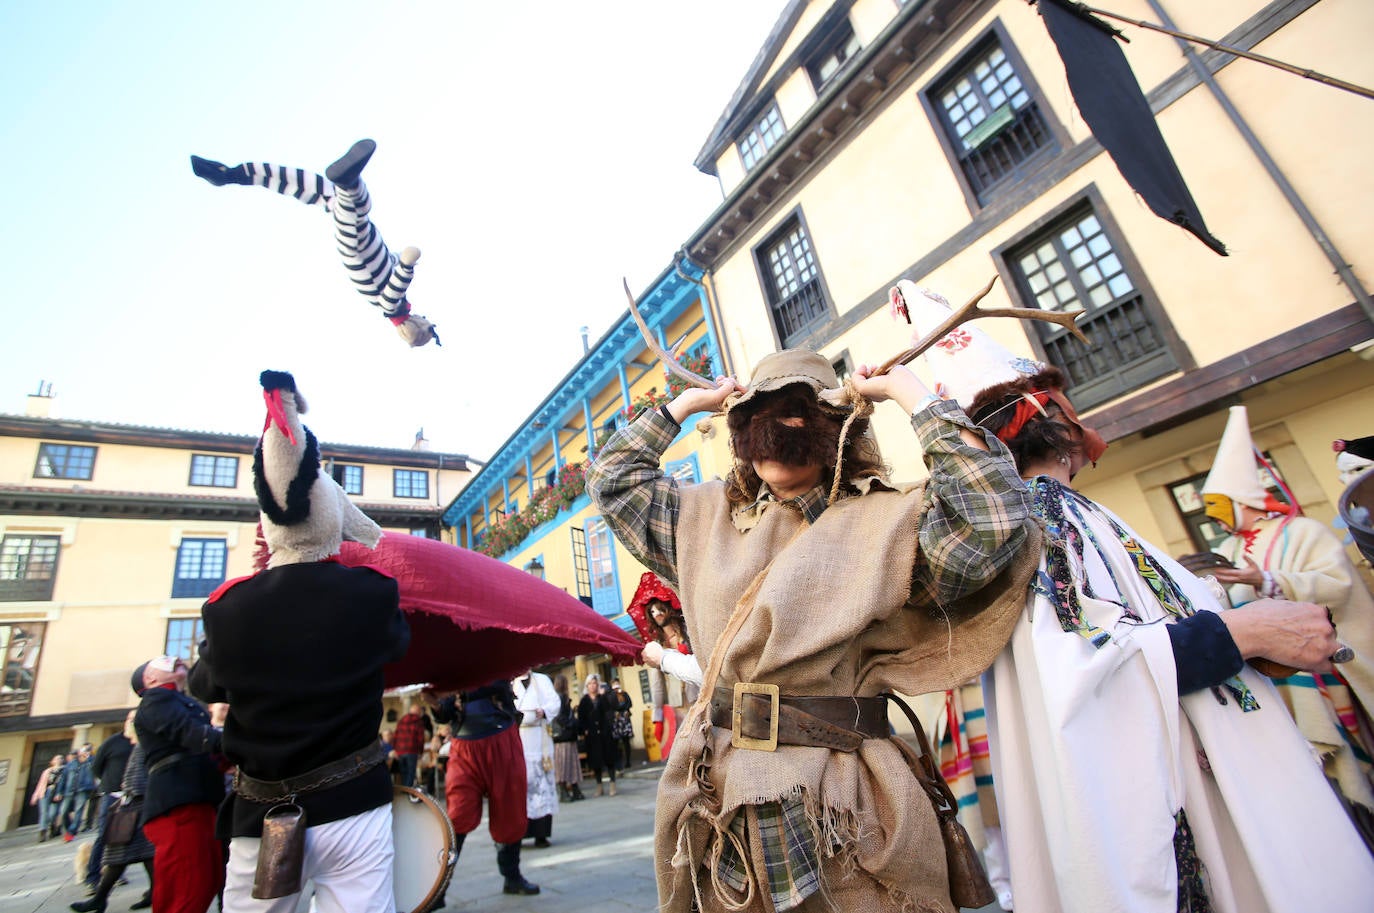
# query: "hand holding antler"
669,362
971,311
695,399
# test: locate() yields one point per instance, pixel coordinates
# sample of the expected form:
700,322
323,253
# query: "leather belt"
341,771
760,718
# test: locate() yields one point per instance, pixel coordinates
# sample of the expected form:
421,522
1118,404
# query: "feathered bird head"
305,513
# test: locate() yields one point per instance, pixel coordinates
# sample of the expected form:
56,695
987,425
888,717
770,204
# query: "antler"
971,311
669,362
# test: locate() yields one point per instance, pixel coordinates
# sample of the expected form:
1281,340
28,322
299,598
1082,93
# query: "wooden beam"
1299,347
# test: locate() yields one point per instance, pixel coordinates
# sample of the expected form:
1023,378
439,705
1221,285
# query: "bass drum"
1356,507
424,849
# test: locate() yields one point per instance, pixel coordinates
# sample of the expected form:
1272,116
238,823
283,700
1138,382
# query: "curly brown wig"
1041,436
758,433
675,616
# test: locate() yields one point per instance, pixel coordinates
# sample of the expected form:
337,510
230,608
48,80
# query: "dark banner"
1114,108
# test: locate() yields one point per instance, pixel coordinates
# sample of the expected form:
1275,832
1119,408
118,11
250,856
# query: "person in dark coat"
622,727
132,786
297,652
596,720
108,769
184,786
77,785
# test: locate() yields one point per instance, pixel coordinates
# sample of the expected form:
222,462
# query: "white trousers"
349,861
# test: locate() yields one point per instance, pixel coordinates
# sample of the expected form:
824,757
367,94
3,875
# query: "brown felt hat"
791,366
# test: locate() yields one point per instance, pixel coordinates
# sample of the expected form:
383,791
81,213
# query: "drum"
1356,507
424,849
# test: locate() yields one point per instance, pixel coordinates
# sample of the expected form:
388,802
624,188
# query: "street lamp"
535,567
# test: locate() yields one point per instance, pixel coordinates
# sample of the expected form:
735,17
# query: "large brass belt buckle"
737,738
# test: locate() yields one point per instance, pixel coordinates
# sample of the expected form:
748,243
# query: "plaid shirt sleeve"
639,502
979,507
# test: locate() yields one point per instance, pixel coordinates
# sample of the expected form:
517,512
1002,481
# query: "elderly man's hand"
1297,634
695,399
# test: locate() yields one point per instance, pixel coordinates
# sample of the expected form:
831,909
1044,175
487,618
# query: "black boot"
220,174
577,792
508,861
348,170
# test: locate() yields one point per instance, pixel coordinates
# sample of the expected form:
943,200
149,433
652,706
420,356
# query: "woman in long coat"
595,717
139,849
538,704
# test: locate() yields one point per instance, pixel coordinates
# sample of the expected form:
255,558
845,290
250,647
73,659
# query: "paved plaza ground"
601,860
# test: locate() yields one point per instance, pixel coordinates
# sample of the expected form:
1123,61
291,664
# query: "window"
761,137
422,532
1205,532
64,461
601,566
349,477
792,281
684,470
22,644
991,118
28,567
1074,266
214,471
842,367
839,48
183,638
200,567
410,483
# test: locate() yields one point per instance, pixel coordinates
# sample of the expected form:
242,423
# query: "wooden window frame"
1087,397
43,450
214,470
1059,139
200,586
771,294
411,474
26,588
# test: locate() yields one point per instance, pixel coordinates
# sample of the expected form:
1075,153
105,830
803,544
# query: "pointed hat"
1235,473
305,513
967,360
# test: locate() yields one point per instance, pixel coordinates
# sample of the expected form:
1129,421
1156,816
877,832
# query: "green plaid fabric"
792,867
975,525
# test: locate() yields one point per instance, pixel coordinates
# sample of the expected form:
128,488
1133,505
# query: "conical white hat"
967,360
1235,472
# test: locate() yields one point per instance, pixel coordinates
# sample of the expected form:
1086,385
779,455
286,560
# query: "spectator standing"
538,705
132,787
595,718
408,741
622,726
46,796
184,787
567,765
78,782
108,768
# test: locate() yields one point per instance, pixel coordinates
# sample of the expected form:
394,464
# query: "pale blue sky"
535,152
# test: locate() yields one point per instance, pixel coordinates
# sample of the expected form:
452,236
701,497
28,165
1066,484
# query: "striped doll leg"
369,262
306,186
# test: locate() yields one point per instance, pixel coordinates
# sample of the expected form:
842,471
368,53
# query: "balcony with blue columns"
671,294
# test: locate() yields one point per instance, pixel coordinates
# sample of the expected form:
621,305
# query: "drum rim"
418,797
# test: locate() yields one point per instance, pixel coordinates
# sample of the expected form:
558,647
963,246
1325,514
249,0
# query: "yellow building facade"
111,537
938,141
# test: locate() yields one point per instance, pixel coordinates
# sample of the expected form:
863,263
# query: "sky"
535,152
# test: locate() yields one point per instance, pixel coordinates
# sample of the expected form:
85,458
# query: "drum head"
424,849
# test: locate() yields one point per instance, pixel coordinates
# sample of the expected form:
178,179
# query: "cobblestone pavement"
601,859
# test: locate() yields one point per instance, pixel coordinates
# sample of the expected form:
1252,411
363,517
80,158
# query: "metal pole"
1342,268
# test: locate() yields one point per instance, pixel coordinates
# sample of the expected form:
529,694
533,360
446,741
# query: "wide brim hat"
651,587
791,366
1235,471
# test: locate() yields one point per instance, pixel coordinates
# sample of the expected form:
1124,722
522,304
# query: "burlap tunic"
834,616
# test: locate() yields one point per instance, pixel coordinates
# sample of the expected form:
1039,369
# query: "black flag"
1110,100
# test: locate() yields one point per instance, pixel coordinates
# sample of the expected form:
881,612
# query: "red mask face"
1093,444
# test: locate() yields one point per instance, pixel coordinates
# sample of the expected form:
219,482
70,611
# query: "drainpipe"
1280,180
